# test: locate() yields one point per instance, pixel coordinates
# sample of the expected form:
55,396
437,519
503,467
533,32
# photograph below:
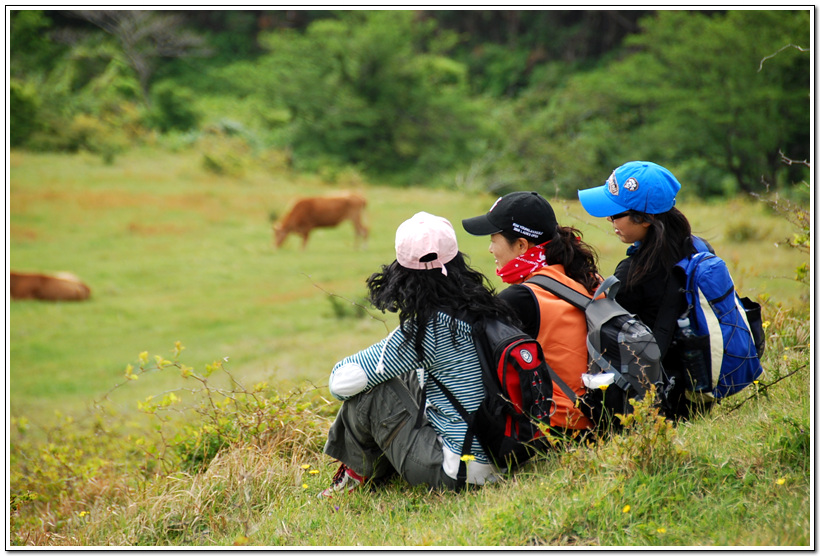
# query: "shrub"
172,108
97,136
649,442
24,108
372,90
344,309
225,155
102,460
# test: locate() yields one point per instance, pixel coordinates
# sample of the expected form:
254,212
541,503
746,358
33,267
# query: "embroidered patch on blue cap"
612,183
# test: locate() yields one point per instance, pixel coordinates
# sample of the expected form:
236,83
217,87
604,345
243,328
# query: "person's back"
448,353
384,425
562,335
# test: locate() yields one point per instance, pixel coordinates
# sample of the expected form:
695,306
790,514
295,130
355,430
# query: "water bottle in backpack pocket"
693,353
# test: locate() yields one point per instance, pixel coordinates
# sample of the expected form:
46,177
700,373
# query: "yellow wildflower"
781,481
661,530
468,457
766,325
626,509
604,387
305,466
304,485
314,471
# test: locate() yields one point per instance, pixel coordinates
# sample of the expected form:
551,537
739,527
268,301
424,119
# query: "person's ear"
522,245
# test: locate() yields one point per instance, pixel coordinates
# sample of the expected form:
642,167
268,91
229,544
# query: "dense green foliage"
370,90
481,100
691,91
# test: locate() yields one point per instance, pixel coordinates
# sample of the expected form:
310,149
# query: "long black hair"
668,239
419,295
567,248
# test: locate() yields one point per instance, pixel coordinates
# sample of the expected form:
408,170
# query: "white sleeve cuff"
347,380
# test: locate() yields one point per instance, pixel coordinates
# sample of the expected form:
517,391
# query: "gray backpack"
624,358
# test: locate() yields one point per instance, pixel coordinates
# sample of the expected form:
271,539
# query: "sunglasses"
619,215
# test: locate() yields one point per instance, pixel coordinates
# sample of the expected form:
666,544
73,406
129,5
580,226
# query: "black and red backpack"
517,396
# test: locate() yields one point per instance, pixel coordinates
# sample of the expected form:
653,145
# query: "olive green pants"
378,433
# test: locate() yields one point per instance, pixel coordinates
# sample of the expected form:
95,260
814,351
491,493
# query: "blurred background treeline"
478,100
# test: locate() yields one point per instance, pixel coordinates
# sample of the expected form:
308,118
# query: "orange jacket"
562,335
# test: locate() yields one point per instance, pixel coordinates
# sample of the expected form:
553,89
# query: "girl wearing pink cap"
383,426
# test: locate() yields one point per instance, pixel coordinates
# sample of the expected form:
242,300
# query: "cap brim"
597,203
480,226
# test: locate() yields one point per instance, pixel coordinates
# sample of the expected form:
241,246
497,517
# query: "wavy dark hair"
668,240
419,295
567,248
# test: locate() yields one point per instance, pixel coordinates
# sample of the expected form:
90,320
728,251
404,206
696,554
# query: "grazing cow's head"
279,235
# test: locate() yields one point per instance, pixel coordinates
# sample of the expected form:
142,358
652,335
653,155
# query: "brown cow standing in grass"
321,212
63,286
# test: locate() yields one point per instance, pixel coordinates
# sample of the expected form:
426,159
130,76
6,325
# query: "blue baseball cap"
639,186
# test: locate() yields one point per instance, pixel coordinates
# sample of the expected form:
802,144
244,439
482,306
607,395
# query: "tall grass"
174,253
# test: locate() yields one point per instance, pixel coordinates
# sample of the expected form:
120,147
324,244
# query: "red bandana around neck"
522,266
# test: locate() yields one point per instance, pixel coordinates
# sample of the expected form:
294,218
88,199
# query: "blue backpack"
726,331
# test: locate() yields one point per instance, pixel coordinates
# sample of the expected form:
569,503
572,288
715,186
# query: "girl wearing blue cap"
639,200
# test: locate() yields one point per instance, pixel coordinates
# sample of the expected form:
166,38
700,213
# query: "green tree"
689,93
30,47
711,95
24,108
146,36
370,89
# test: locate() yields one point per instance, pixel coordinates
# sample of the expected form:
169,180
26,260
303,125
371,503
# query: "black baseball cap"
524,213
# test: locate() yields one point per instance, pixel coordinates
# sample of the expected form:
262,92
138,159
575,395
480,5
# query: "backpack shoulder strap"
560,290
467,445
573,298
677,283
562,385
610,287
701,245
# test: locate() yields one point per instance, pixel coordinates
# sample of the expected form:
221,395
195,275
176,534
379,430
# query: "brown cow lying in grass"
321,212
63,286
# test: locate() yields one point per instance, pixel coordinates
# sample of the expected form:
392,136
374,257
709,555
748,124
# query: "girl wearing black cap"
526,240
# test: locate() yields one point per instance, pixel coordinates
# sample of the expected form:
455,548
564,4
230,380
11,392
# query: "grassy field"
173,252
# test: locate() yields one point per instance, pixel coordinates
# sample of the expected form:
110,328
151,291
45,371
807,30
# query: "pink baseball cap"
426,241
